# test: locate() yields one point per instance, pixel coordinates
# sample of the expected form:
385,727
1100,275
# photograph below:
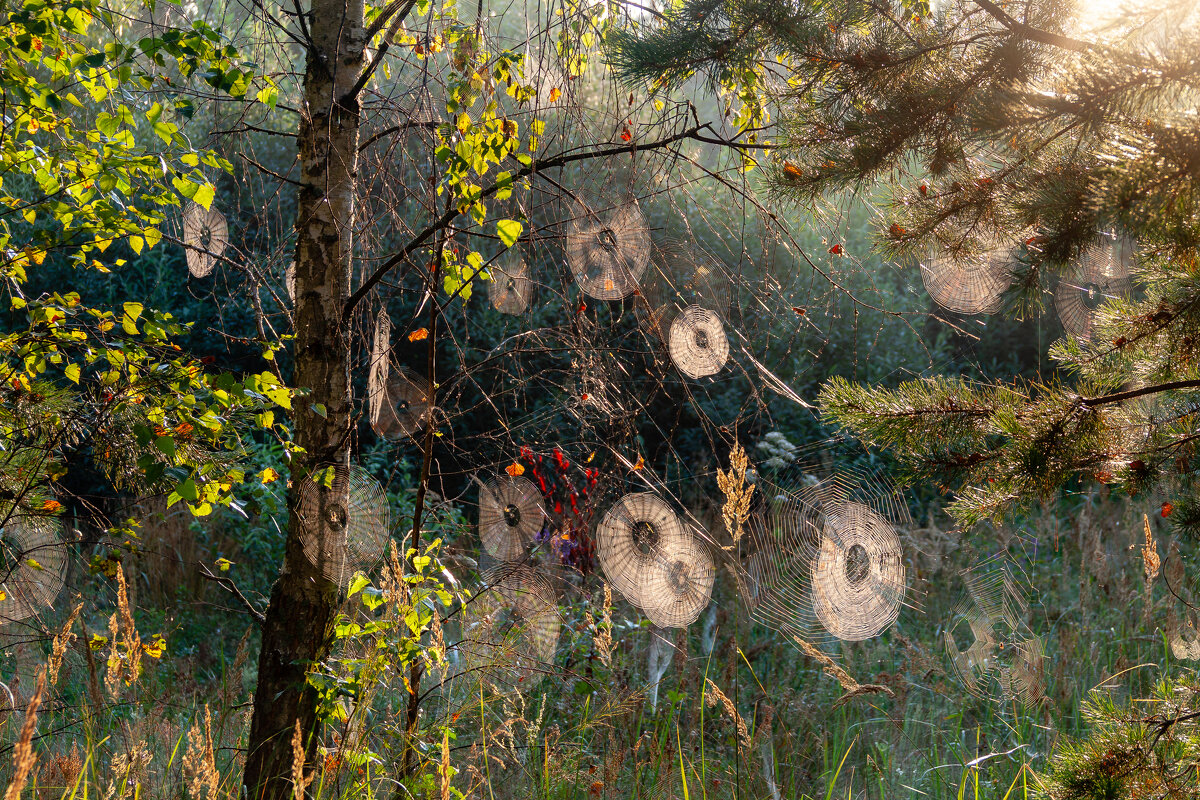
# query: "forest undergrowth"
737,712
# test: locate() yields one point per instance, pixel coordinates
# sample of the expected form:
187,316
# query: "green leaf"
106,123
187,490
269,96
509,230
167,446
204,195
372,598
359,583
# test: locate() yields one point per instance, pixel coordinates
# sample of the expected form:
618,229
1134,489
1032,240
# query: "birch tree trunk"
299,619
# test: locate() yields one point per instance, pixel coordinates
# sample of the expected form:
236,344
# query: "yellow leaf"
555,93
156,648
268,475
224,564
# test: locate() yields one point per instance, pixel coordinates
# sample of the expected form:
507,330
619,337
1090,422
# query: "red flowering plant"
569,493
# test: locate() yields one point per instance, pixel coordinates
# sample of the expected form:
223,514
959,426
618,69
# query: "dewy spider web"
678,584
344,516
608,248
972,285
33,566
1002,658
824,557
510,288
858,577
405,406
1101,273
638,534
399,401
681,275
697,342
205,236
509,630
510,514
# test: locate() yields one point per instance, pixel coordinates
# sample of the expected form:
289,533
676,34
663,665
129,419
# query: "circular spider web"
343,514
511,288
802,574
858,577
33,566
608,249
635,539
775,582
404,406
206,235
971,286
510,628
1001,657
1100,274
697,342
510,515
1024,678
419,108
684,274
679,584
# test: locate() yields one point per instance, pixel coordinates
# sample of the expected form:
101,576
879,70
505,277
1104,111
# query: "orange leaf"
792,171
418,335
54,505
641,462
1167,508
555,93
514,469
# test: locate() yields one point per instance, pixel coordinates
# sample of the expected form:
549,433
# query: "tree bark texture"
298,625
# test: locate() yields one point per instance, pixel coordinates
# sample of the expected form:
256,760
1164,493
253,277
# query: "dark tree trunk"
299,619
